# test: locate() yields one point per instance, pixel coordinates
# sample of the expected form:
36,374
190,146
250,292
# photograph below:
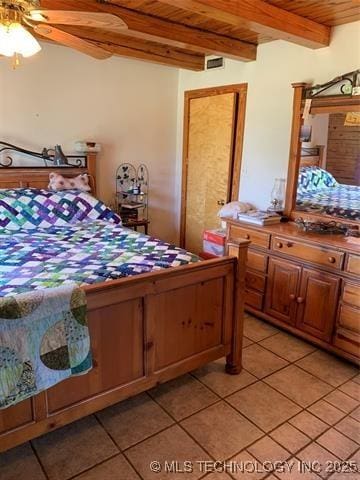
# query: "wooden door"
281,292
317,303
211,159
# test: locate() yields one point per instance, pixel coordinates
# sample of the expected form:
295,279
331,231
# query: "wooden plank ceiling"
181,32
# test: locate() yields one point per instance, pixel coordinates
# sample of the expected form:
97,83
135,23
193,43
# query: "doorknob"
221,202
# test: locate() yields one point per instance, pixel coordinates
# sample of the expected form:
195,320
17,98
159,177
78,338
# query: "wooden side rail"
238,249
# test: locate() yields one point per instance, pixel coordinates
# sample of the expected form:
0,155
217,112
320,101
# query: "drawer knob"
279,245
300,300
292,296
332,259
247,236
289,244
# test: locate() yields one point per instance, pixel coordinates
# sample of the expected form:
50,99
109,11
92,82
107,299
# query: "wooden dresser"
307,283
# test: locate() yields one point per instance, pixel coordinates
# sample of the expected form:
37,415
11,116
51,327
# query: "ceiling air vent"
215,62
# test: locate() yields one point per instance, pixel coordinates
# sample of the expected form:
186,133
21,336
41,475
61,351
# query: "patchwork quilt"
319,192
339,201
312,179
84,253
34,208
44,339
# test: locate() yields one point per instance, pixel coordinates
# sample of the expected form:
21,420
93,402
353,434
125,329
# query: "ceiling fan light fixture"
15,39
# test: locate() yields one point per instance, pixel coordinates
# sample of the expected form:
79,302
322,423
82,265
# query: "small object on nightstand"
132,188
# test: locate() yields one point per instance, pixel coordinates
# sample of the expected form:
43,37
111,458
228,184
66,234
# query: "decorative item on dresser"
298,277
132,195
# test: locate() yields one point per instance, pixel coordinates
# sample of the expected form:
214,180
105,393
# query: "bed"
151,317
318,192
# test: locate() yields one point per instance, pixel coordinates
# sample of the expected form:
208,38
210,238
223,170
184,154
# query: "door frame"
236,147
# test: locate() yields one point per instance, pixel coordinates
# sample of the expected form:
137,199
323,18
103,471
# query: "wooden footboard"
144,330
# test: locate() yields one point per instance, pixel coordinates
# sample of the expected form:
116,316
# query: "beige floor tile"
351,388
309,424
318,457
337,444
267,450
326,412
352,469
133,420
356,414
257,330
15,462
72,449
117,468
290,437
213,375
245,466
357,378
349,427
341,401
300,386
247,341
183,396
327,367
287,346
221,430
263,405
260,362
217,476
170,448
295,470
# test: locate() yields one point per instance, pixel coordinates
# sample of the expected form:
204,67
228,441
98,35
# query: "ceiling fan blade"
80,19
69,40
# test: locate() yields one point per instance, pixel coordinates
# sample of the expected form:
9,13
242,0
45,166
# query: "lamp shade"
15,39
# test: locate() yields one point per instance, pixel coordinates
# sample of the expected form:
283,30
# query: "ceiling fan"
17,17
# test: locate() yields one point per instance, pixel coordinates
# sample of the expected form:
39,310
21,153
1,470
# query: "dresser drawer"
353,264
260,239
349,318
254,299
257,261
255,281
348,341
309,253
351,294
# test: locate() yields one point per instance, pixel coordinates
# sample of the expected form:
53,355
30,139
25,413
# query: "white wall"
61,96
269,102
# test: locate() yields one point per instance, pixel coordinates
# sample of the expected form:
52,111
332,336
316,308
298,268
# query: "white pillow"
230,210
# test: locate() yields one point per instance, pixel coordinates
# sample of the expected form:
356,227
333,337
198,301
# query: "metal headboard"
47,155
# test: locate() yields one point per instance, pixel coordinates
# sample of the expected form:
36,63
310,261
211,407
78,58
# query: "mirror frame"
320,104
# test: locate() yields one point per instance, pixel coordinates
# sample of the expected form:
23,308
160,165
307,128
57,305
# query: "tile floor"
291,403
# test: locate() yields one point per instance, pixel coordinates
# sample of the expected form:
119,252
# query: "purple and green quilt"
90,251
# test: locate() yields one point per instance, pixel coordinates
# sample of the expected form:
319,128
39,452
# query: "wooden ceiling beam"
155,29
130,47
260,17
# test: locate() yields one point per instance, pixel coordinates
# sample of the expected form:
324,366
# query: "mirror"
329,165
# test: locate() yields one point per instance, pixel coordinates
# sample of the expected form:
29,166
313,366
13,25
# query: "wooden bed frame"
145,330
